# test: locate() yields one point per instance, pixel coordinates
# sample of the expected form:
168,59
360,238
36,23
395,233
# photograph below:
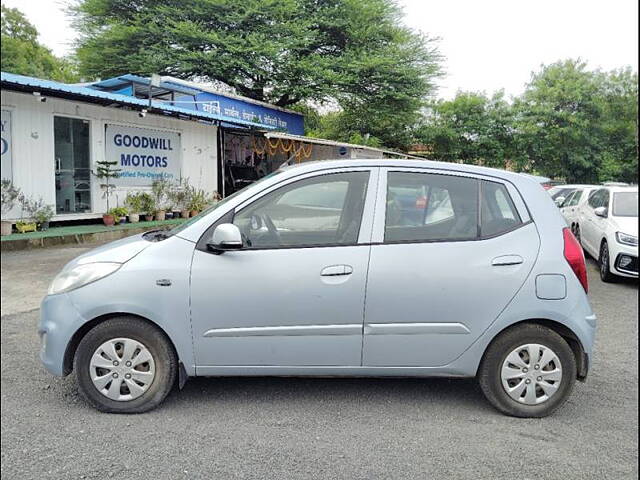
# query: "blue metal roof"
122,80
11,81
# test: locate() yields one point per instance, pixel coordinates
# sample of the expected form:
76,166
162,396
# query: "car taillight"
575,257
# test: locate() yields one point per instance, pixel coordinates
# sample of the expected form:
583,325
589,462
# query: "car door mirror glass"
559,201
601,212
225,237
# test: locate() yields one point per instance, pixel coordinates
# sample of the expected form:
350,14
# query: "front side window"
625,204
575,199
318,211
430,207
595,199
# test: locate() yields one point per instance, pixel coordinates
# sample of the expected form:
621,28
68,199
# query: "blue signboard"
234,108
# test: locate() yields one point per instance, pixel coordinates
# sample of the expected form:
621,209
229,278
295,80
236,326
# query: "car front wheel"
125,365
528,371
604,264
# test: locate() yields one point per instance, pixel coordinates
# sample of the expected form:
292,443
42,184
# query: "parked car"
560,193
349,268
570,206
608,230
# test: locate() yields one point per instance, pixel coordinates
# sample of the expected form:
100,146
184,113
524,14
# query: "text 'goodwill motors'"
143,155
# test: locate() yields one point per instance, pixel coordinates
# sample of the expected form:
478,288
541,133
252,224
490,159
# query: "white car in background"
560,193
573,203
607,228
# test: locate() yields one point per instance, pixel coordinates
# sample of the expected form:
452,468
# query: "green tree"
21,53
355,53
471,128
581,125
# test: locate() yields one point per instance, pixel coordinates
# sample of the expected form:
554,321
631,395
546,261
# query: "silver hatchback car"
338,268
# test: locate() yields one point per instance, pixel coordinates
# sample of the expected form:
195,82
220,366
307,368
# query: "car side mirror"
601,212
559,201
225,237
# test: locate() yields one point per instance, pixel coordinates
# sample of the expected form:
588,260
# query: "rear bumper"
59,320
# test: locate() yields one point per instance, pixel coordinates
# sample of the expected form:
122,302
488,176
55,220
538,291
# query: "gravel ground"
289,428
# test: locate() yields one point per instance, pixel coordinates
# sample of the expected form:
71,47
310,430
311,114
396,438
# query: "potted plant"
106,170
9,196
160,190
180,193
28,206
133,201
119,214
197,202
148,205
43,215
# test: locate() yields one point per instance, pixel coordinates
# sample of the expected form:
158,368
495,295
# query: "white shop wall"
32,146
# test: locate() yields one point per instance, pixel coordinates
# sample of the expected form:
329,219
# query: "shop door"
72,165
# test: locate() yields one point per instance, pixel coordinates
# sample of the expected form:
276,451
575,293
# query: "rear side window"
498,214
429,207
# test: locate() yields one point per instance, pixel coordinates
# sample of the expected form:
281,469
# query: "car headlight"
625,239
81,275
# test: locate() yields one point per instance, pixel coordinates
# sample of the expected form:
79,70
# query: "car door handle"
336,270
507,260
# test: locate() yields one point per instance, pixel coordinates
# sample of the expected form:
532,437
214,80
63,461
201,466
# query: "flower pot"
194,213
6,228
168,215
184,213
160,214
43,226
176,214
134,218
148,218
108,220
122,220
24,227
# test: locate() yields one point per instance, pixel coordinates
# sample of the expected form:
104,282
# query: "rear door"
449,252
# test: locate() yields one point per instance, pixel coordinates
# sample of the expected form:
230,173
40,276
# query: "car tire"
491,376
604,264
125,337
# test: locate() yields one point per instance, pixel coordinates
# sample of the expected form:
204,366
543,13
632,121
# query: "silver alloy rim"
122,369
531,374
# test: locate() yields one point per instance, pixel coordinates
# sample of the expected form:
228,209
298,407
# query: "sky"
488,45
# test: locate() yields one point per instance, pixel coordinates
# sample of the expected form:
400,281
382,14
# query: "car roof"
407,163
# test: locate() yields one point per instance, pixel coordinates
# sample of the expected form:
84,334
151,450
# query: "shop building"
53,135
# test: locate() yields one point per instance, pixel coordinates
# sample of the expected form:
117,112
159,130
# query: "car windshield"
213,207
625,204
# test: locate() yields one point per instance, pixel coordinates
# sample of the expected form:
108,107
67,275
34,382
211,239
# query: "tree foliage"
355,53
22,54
570,123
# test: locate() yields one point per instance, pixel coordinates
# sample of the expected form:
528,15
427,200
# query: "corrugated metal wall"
33,145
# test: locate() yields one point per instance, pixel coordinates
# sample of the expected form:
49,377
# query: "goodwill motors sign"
143,155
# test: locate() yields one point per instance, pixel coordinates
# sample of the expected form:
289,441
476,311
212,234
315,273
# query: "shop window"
72,165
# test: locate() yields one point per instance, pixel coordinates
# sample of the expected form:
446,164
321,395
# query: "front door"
294,296
448,255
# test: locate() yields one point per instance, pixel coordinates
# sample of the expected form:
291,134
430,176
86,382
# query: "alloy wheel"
122,369
531,374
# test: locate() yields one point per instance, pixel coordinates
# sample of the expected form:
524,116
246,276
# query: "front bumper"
624,260
59,320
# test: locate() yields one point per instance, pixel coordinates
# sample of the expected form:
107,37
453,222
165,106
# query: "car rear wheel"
604,264
125,365
528,371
